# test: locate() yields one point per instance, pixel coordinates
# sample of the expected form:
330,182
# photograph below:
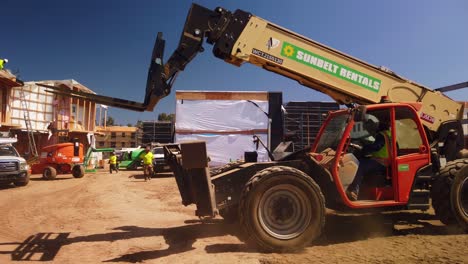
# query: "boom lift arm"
241,37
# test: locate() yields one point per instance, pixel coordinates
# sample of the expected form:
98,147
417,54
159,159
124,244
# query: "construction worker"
147,158
113,163
2,63
376,156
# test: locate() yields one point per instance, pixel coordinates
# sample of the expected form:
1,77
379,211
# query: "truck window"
158,151
408,137
8,151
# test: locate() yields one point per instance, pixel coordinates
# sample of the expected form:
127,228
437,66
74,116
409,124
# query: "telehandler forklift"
281,204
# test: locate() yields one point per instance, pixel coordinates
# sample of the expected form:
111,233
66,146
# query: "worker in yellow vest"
2,63
377,156
113,163
147,158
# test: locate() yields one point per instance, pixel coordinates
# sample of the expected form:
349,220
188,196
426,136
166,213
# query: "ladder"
27,120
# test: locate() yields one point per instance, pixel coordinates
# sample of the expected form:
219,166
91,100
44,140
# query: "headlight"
24,166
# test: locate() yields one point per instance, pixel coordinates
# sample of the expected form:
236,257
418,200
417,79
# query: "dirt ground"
120,218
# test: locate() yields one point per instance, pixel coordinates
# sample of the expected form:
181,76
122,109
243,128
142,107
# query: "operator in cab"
375,155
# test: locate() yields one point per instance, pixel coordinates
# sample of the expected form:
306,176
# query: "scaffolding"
304,119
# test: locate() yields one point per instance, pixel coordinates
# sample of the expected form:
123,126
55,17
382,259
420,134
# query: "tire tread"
440,191
251,184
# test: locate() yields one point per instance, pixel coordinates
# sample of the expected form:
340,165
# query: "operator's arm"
375,146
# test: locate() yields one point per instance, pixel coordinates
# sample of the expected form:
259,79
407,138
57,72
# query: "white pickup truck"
13,168
159,161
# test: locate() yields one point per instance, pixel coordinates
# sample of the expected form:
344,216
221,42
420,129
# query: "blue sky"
106,45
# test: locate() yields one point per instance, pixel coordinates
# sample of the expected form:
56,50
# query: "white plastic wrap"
202,119
221,115
228,147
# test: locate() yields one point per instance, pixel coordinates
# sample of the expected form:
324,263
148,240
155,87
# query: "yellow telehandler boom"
280,204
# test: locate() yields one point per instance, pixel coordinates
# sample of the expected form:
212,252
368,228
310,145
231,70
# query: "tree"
139,124
110,121
165,117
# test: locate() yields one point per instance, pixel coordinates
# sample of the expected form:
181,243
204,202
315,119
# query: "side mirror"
360,113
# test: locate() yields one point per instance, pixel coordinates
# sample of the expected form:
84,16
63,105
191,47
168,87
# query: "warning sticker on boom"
328,66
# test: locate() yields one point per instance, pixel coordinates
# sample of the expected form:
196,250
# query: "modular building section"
67,113
54,118
227,121
7,82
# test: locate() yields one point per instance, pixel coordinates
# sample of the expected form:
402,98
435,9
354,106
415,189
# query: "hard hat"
371,124
5,60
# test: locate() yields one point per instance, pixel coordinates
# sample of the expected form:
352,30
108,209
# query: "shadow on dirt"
137,176
38,247
45,246
59,178
140,176
339,229
163,175
5,186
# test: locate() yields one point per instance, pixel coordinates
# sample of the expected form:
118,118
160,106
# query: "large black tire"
441,189
78,171
459,197
22,183
281,209
49,173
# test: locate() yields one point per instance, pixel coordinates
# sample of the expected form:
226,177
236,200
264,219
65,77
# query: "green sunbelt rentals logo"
328,66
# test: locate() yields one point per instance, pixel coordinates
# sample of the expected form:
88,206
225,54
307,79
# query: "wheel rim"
47,173
464,196
284,211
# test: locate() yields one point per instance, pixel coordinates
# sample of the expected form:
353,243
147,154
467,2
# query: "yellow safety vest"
113,159
147,158
384,153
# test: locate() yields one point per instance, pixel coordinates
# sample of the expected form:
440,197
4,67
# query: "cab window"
408,137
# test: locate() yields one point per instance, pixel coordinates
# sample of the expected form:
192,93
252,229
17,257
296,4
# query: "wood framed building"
117,137
7,82
54,118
